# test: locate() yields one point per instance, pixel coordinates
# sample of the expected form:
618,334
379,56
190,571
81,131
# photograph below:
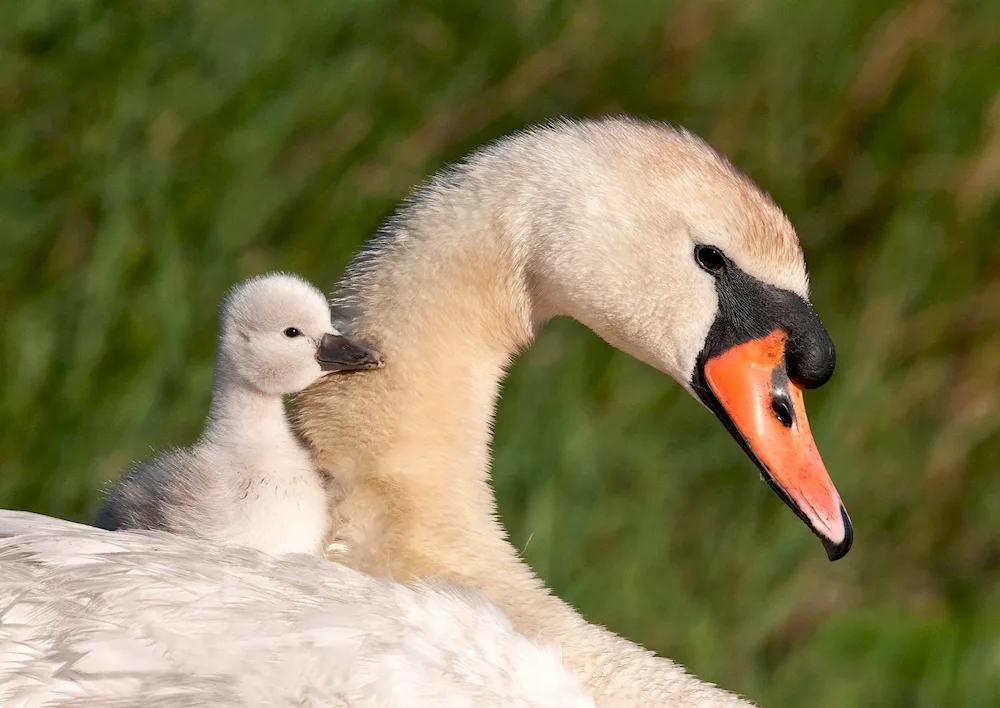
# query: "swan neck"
448,294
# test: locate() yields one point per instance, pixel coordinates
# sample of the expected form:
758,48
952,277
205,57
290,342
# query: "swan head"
673,255
276,336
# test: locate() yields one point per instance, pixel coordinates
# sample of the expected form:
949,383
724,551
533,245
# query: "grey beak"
338,353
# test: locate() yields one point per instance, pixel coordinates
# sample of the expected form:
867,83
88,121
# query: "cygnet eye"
291,333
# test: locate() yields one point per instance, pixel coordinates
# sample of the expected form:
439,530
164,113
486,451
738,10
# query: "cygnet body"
248,481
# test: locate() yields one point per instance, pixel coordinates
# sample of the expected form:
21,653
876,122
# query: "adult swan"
641,232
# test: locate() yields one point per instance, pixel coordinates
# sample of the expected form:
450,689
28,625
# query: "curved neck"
446,295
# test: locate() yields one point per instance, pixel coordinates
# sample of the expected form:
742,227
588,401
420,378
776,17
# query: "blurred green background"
153,153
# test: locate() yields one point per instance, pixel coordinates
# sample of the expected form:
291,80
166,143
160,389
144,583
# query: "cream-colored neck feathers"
595,221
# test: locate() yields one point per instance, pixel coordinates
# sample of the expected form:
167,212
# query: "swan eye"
291,333
711,259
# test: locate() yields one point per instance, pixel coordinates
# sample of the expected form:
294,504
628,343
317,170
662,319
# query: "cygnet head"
277,338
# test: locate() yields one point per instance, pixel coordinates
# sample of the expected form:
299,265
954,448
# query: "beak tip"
837,550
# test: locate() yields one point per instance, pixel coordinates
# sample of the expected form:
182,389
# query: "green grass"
153,153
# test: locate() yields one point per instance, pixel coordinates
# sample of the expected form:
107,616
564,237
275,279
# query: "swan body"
93,618
639,231
248,481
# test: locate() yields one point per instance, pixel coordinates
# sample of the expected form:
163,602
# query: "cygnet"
248,481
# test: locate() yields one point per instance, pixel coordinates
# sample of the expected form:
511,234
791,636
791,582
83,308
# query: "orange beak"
767,415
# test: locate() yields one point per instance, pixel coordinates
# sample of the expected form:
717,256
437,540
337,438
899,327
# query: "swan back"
89,617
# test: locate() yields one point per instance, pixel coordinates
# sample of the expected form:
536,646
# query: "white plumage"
93,618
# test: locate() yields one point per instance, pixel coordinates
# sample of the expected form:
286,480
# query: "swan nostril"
782,410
